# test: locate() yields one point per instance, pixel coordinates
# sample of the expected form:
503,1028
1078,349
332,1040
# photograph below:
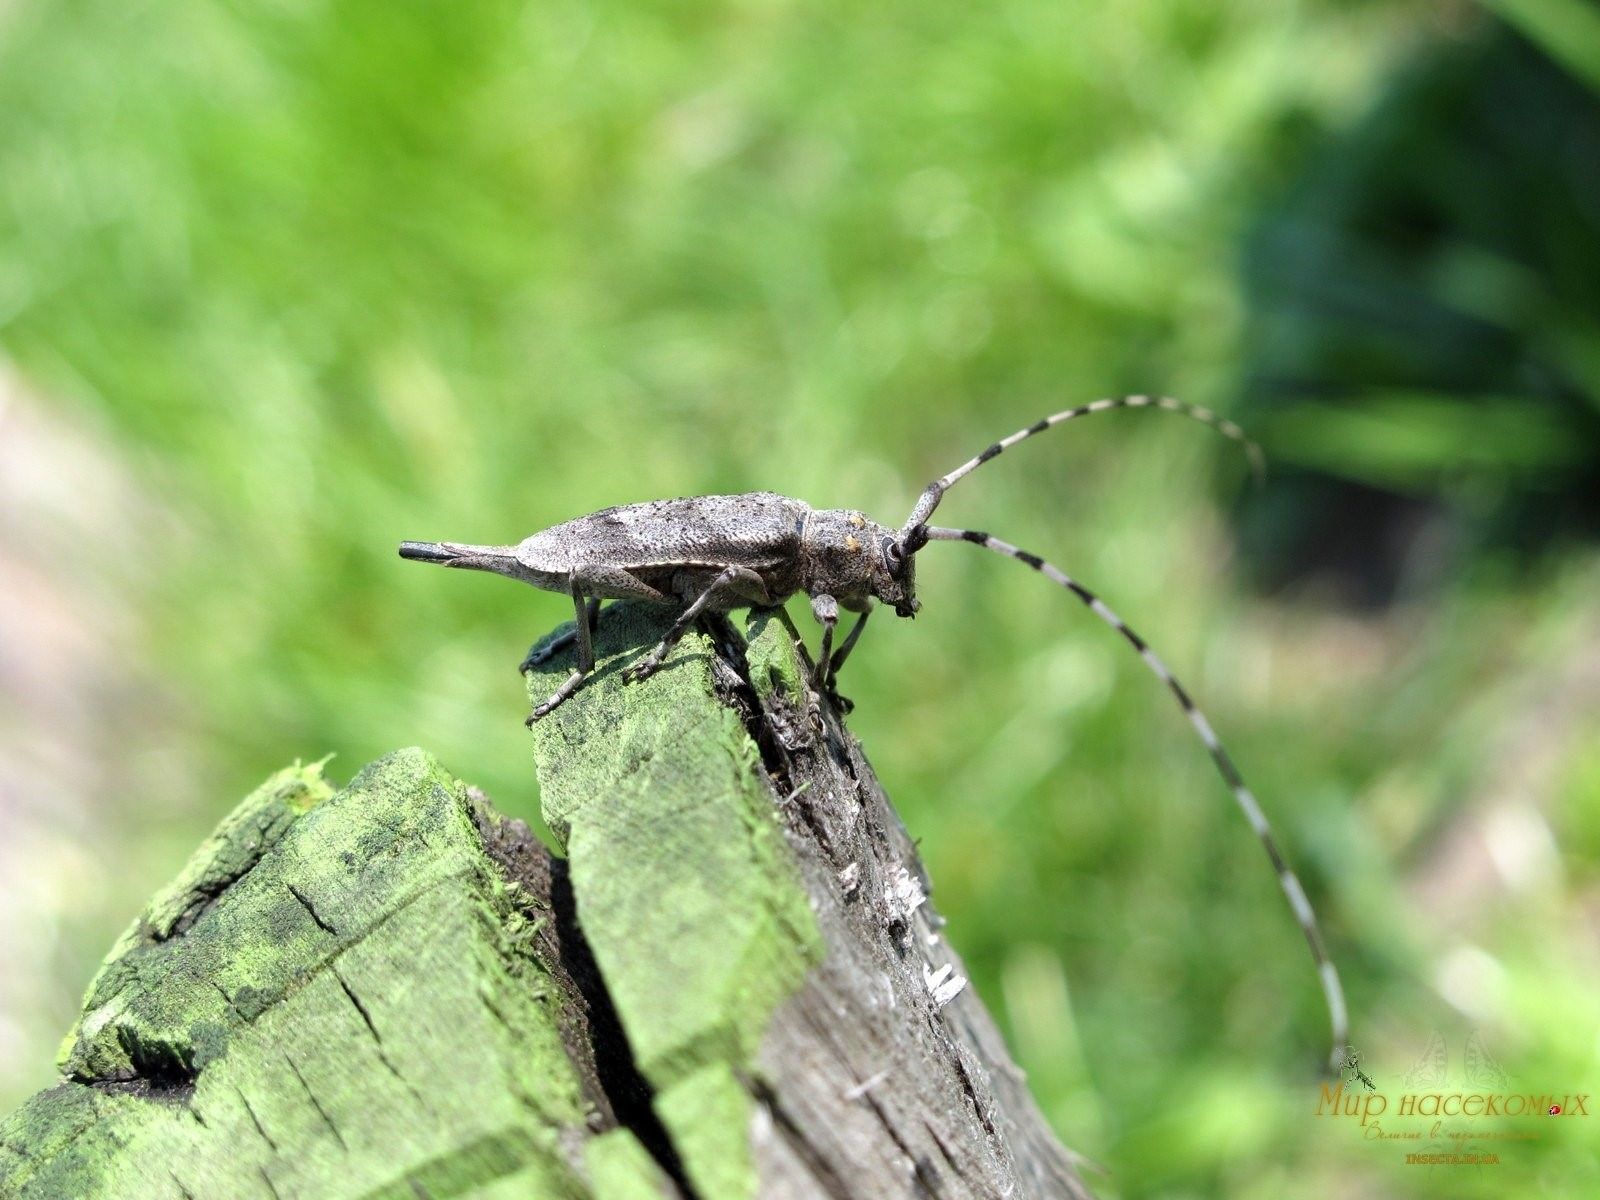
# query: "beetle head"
855,560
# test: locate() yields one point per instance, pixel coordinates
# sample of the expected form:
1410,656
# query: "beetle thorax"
850,558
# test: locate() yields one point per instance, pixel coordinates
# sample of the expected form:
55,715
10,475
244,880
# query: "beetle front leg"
585,663
850,641
826,610
825,675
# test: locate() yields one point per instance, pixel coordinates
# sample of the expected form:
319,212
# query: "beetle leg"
557,644
612,582
745,585
826,610
849,644
826,678
825,675
585,659
617,583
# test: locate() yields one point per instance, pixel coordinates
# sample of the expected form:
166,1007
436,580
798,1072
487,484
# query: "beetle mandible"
715,553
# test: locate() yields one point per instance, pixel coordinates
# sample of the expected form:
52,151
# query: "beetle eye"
893,556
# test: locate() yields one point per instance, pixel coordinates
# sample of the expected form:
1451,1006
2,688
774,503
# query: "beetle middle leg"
740,584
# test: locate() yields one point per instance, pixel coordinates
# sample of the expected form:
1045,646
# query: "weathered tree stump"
733,985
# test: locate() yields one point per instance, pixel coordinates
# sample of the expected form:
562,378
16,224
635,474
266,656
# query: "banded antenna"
935,491
917,533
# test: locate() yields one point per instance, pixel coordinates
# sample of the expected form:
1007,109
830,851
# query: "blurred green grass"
333,275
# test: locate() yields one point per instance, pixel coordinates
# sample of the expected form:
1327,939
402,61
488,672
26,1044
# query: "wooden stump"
732,985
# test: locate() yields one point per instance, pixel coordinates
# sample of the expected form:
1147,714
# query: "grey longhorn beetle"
716,553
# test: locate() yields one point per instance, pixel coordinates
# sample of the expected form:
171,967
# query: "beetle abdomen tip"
426,551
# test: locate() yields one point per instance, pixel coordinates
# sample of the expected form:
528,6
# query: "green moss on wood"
685,887
337,997
342,995
620,1169
776,671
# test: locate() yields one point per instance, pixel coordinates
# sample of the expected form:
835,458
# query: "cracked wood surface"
876,1072
376,992
733,984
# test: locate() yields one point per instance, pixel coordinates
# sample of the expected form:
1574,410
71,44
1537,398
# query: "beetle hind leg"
585,665
544,653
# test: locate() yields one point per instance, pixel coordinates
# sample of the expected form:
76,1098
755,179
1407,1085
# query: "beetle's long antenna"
1332,992
936,490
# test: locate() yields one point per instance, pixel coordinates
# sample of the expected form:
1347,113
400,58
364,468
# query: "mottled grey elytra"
715,553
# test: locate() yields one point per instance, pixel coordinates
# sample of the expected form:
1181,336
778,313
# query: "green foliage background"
323,276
